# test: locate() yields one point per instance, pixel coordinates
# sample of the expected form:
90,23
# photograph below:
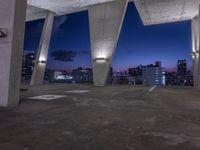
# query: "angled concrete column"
12,20
42,54
105,24
195,51
195,48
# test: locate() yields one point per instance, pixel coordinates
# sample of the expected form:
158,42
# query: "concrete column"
12,23
42,54
105,25
195,52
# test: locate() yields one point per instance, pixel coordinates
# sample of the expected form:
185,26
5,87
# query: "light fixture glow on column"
195,54
101,54
42,60
100,60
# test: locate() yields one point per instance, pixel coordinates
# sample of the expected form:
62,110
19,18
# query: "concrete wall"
12,17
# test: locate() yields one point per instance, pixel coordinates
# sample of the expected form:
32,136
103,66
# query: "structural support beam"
42,54
12,24
196,51
105,25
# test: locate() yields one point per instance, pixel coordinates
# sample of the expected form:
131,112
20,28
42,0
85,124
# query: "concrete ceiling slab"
60,7
34,13
165,11
151,11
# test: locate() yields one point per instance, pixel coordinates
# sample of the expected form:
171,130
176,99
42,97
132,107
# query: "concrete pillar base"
100,72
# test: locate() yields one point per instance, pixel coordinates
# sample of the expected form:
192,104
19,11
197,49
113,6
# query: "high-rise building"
27,65
181,72
182,77
152,74
136,74
85,75
81,75
181,67
171,78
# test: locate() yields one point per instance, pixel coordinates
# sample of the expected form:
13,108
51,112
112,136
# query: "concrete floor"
107,118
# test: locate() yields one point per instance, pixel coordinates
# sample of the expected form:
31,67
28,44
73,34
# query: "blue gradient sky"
137,45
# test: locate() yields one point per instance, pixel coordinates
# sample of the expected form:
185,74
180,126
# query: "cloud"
66,56
59,21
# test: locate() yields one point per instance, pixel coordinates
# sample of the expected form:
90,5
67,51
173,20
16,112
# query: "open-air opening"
153,54
148,55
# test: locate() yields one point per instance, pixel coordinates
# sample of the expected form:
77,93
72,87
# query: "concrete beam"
105,24
42,54
12,20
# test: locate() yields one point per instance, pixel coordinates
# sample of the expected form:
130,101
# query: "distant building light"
63,77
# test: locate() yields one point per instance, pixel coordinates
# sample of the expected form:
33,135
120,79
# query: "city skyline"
166,42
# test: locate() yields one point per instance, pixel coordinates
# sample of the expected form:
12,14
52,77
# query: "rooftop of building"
109,118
